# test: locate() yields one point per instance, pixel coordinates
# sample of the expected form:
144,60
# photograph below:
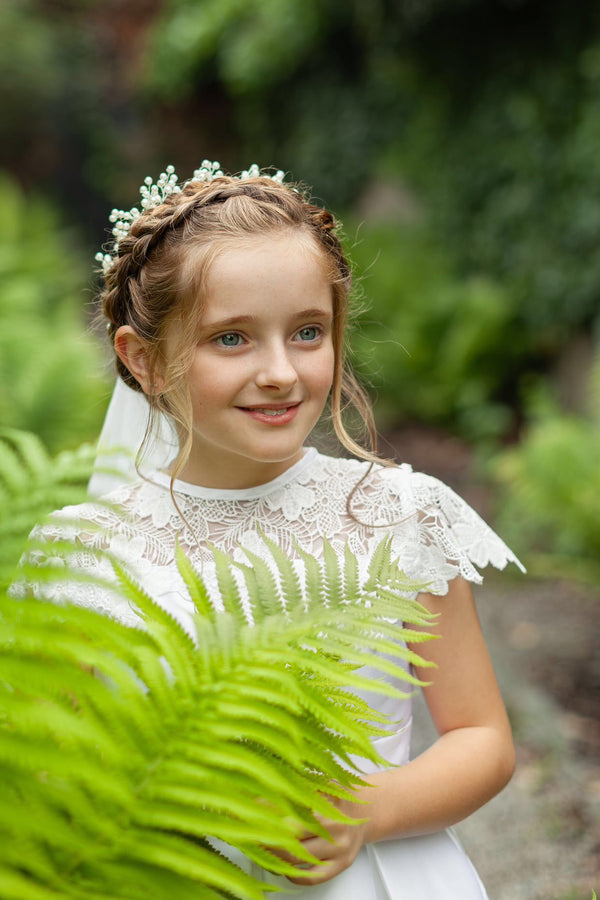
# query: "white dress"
435,535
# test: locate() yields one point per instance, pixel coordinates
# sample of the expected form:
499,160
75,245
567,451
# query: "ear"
133,353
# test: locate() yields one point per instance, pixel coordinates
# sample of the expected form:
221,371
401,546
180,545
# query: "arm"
473,758
470,762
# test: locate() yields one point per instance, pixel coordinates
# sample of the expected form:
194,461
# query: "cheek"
209,385
320,372
329,367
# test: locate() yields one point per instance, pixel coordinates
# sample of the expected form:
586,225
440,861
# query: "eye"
229,339
309,333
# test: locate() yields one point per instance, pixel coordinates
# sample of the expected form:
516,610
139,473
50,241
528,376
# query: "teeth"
272,412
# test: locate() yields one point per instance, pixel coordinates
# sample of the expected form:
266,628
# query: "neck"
229,474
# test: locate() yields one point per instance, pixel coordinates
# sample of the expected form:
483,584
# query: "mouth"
269,411
275,412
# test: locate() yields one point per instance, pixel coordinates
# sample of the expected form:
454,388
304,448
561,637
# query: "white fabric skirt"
420,868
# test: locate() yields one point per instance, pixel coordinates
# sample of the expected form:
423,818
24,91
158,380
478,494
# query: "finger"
320,848
316,874
286,856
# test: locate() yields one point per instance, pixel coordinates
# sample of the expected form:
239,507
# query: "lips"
270,407
272,413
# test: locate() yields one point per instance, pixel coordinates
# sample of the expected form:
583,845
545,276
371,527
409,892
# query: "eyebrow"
311,313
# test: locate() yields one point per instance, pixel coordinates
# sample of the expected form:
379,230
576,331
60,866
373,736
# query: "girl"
226,301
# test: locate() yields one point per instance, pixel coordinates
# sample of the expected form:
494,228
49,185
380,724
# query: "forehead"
263,277
289,264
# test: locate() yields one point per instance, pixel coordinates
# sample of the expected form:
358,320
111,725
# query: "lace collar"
259,490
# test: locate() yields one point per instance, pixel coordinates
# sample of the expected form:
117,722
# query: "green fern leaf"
352,589
176,645
314,581
191,732
33,457
173,854
194,584
334,583
228,587
261,585
289,583
31,485
251,769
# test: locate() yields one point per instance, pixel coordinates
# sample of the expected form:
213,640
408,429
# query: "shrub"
32,484
551,485
50,368
434,346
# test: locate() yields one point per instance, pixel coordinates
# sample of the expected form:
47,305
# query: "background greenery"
457,139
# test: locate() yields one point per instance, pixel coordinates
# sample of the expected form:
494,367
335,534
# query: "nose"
276,369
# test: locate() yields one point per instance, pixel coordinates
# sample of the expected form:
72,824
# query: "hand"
338,853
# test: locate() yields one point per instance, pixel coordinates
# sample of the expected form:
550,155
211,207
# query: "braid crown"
153,195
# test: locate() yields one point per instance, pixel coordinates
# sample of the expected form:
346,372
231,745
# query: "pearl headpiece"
154,195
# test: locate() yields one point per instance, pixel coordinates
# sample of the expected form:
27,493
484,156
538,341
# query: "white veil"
121,437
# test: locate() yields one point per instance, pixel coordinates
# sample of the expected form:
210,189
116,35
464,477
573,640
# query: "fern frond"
32,484
194,584
289,584
22,455
334,584
352,588
194,765
261,585
314,580
193,861
228,586
173,641
135,746
380,565
18,886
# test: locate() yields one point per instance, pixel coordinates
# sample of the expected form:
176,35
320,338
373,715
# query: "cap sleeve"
438,536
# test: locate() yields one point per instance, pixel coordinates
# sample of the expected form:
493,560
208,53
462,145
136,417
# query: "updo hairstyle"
158,279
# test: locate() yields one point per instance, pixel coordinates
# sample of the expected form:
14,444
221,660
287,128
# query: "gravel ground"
540,838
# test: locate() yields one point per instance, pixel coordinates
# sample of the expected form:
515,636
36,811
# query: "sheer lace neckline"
259,490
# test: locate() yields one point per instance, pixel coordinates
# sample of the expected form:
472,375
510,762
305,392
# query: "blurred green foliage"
32,485
488,109
254,43
50,367
435,346
57,124
510,176
550,487
307,85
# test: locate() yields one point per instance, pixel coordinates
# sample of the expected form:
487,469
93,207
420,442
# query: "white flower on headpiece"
208,171
154,195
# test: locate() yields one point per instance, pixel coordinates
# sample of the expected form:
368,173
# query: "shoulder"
80,533
337,468
385,491
83,522
437,535
123,507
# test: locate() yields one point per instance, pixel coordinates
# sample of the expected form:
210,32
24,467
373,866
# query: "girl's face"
263,366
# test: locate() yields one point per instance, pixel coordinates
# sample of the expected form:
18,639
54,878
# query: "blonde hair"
158,278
